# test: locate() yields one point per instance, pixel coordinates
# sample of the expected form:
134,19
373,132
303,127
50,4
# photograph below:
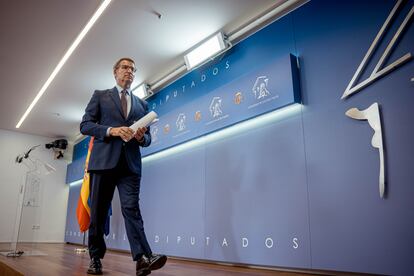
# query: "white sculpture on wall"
372,115
378,70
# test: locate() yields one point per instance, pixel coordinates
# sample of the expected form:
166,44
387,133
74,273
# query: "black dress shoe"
143,272
95,267
157,261
153,262
143,267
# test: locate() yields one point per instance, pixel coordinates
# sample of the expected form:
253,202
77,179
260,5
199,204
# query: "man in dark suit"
115,161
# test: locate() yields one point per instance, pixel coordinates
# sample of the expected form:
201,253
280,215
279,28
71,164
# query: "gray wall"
49,215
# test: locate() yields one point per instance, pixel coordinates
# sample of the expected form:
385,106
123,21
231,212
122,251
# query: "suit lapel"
133,105
116,99
136,107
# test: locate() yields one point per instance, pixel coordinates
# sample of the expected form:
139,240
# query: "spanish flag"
83,210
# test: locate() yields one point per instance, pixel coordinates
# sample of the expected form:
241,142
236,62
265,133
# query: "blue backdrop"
300,191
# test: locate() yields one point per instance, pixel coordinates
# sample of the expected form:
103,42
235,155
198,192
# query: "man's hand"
139,135
125,133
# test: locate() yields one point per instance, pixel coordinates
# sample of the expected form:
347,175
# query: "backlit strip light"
231,131
76,183
69,52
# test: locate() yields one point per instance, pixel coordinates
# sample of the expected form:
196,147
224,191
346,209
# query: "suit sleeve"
90,120
147,135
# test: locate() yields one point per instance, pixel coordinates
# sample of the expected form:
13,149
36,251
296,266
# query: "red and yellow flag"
83,210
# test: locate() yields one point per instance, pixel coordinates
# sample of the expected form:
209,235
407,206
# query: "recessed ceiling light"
68,53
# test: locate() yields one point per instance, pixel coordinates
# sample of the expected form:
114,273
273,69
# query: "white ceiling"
36,34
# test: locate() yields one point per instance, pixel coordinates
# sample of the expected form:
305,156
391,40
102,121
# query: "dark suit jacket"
103,111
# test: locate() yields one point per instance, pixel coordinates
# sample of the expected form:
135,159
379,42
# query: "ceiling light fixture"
141,91
68,53
277,11
205,50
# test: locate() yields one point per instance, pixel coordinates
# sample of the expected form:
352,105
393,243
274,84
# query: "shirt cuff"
108,130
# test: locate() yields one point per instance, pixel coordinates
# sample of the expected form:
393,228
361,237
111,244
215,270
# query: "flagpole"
82,211
84,248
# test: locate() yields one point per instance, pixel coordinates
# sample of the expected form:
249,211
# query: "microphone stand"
18,221
84,248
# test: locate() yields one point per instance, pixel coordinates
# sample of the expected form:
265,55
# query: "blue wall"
302,190
75,170
351,227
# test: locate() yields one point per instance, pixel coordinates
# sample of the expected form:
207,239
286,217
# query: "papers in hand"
145,121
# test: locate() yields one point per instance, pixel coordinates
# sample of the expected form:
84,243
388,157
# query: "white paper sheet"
145,121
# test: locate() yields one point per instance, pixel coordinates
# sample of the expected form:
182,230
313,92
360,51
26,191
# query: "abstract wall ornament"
378,72
372,115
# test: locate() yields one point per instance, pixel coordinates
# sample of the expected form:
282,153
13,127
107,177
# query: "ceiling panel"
36,34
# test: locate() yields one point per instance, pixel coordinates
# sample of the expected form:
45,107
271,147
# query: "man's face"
124,73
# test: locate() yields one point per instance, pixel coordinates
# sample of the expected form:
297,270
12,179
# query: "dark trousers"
102,187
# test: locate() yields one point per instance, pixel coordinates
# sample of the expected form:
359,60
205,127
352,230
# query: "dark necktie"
124,104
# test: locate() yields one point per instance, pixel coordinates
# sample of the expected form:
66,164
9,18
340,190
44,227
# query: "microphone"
26,155
20,157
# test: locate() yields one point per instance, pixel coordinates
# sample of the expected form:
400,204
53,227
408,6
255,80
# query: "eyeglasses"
126,67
